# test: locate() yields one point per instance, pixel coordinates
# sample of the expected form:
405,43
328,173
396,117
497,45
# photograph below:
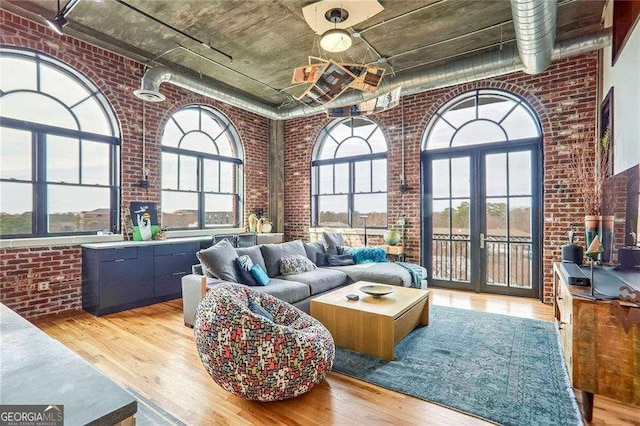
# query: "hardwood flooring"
151,350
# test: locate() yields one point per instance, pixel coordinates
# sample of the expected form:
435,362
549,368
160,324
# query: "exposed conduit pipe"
534,22
471,68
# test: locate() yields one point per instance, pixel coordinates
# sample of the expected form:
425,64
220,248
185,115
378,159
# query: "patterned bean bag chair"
254,357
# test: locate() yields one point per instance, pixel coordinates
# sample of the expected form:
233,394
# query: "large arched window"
59,150
349,175
201,170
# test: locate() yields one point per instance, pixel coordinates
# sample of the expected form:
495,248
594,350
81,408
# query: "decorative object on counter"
253,222
266,226
572,252
391,237
144,216
605,231
594,250
162,234
259,226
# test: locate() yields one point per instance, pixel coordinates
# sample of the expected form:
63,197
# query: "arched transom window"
59,150
481,117
349,175
201,170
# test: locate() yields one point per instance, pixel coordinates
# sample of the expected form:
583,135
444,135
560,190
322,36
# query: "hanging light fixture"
336,39
59,21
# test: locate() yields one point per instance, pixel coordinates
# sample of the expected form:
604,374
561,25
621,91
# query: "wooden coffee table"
371,325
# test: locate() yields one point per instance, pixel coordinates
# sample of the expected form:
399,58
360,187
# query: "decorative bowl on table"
376,290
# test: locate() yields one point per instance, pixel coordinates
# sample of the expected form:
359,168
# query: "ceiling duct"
471,68
535,29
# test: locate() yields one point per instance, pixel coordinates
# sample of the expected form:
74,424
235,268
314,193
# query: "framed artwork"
144,216
606,129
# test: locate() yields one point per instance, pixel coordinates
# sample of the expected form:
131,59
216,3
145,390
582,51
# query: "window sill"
207,232
71,240
349,231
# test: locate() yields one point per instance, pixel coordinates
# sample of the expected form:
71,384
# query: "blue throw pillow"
261,276
340,260
344,249
243,269
322,259
256,308
368,254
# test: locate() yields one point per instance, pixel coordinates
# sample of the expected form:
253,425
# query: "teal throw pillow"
368,254
260,275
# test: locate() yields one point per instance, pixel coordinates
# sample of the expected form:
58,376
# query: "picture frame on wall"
606,125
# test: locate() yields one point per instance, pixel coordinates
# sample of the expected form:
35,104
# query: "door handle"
482,240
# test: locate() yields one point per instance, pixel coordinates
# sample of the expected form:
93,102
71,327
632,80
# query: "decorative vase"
605,231
266,227
259,226
591,228
391,237
253,222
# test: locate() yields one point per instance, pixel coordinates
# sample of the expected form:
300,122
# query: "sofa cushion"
340,260
383,273
320,280
272,253
243,270
219,260
296,264
333,241
289,291
254,253
312,249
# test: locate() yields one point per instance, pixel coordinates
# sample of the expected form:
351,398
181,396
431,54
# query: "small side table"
397,251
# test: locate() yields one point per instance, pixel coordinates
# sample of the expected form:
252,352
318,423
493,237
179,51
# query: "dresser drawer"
168,249
118,253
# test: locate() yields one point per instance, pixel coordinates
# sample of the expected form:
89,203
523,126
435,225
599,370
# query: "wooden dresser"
601,357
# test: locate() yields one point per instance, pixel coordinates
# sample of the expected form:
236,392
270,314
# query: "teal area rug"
150,414
502,369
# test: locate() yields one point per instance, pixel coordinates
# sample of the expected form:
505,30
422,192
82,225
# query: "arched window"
481,117
349,172
59,150
201,170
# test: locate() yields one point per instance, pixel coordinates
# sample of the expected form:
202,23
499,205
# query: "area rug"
499,368
150,414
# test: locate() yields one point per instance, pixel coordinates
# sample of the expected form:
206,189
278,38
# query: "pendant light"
336,39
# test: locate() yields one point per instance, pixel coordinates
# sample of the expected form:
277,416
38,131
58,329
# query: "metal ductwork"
534,22
471,68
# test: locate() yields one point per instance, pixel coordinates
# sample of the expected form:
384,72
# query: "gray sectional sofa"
297,289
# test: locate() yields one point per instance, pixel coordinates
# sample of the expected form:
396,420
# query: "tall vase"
591,228
253,222
606,236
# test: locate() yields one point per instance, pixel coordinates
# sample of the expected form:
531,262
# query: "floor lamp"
365,217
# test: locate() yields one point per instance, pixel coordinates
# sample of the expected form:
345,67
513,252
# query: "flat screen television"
621,199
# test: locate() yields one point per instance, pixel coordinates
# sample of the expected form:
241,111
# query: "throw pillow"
340,260
344,249
313,249
369,254
296,264
219,261
260,275
254,253
322,259
256,308
333,241
272,253
243,266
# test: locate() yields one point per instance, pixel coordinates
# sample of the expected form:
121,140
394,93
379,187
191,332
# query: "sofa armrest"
194,288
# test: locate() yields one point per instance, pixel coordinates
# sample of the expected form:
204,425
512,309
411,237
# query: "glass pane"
210,125
460,177
520,125
440,264
179,209
341,178
363,176
219,210
36,108
520,257
478,132
497,258
440,178
172,134
520,173
440,135
16,208
328,149
59,85
188,169
224,145
379,175
169,171
92,118
372,205
363,128
496,174
441,214
333,211
352,146
377,142
494,107
63,159
211,175
227,177
17,73
198,141
188,119
15,154
520,219
326,179
461,112
78,209
95,163
460,260
496,218
460,218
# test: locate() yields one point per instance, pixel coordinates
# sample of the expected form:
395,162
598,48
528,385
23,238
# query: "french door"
481,218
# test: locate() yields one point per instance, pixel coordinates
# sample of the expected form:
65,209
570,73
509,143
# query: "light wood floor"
150,349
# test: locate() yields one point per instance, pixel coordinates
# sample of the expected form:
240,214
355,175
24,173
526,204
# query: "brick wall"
564,98
117,77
